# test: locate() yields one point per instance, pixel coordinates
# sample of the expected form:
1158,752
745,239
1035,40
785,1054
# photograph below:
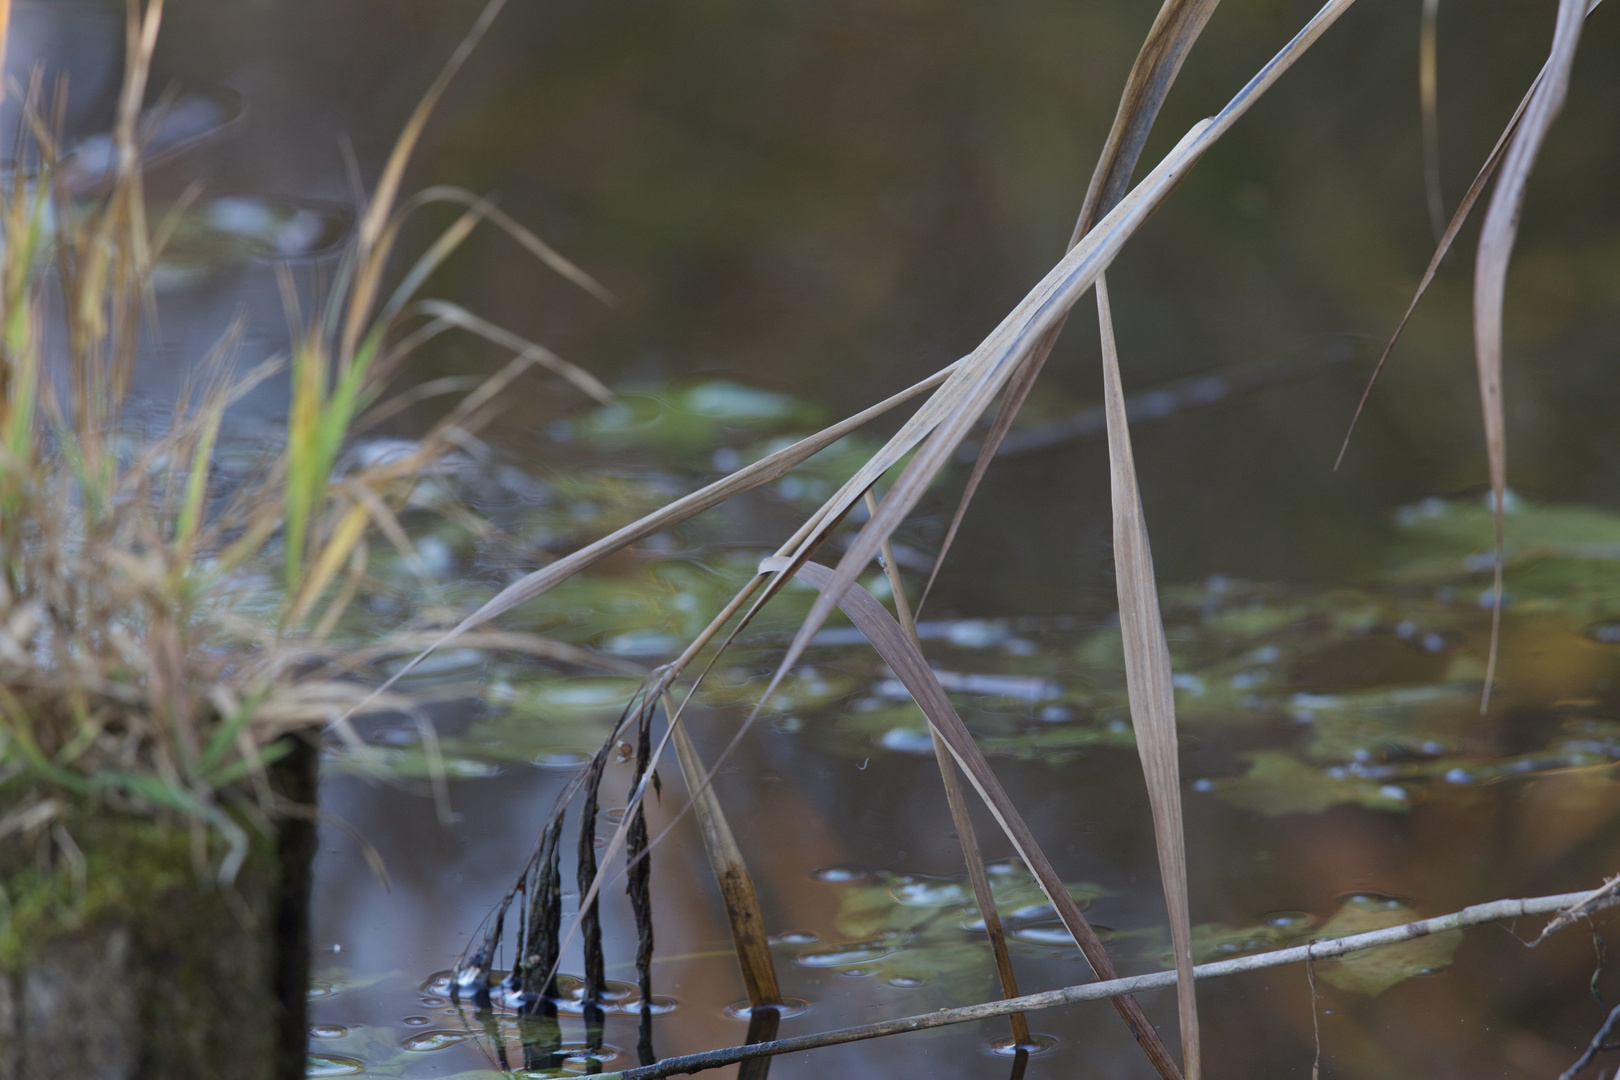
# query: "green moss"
130,865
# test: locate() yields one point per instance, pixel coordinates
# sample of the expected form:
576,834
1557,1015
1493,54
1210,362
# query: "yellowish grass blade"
370,259
1490,275
535,246
458,316
1147,679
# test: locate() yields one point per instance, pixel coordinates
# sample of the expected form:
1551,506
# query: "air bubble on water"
795,937
859,952
415,1021
329,1031
1289,920
838,873
790,1006
332,1065
428,1041
1035,1047
438,984
906,982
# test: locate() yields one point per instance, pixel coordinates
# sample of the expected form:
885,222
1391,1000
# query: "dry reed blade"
1148,680
1477,188
1168,41
456,315
515,229
370,256
968,837
731,874
761,472
1429,103
912,670
1490,278
964,388
976,380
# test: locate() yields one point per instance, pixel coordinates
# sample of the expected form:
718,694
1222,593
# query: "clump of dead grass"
162,632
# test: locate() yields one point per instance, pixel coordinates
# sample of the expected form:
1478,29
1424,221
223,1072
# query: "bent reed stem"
1493,911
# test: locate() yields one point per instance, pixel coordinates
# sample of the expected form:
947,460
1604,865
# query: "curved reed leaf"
1490,276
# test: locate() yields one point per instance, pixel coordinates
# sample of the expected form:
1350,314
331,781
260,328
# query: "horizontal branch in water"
1494,911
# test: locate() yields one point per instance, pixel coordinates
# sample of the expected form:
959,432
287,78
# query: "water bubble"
917,890
332,1065
858,972
429,1041
416,1021
658,1005
838,873
906,982
858,952
320,990
1049,936
1289,920
1035,1047
330,1031
1459,776
795,937
1370,901
571,993
438,984
790,1006
574,1054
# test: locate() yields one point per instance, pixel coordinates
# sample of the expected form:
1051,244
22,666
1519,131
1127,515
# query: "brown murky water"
830,201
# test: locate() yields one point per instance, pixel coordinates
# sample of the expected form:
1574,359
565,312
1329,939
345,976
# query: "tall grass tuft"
159,633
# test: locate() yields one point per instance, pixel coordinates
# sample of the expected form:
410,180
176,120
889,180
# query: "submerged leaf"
1375,970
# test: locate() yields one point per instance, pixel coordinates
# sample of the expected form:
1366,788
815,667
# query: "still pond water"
804,208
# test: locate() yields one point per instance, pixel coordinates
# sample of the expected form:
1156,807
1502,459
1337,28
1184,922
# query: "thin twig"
1317,950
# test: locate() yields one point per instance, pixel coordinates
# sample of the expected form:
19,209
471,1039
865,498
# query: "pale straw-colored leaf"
1490,277
1475,189
911,668
1148,679
1170,38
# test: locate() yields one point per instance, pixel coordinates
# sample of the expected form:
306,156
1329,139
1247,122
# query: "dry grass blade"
982,375
513,228
1490,276
763,471
1475,190
456,315
1171,37
912,670
375,220
731,874
1429,102
1147,678
956,801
